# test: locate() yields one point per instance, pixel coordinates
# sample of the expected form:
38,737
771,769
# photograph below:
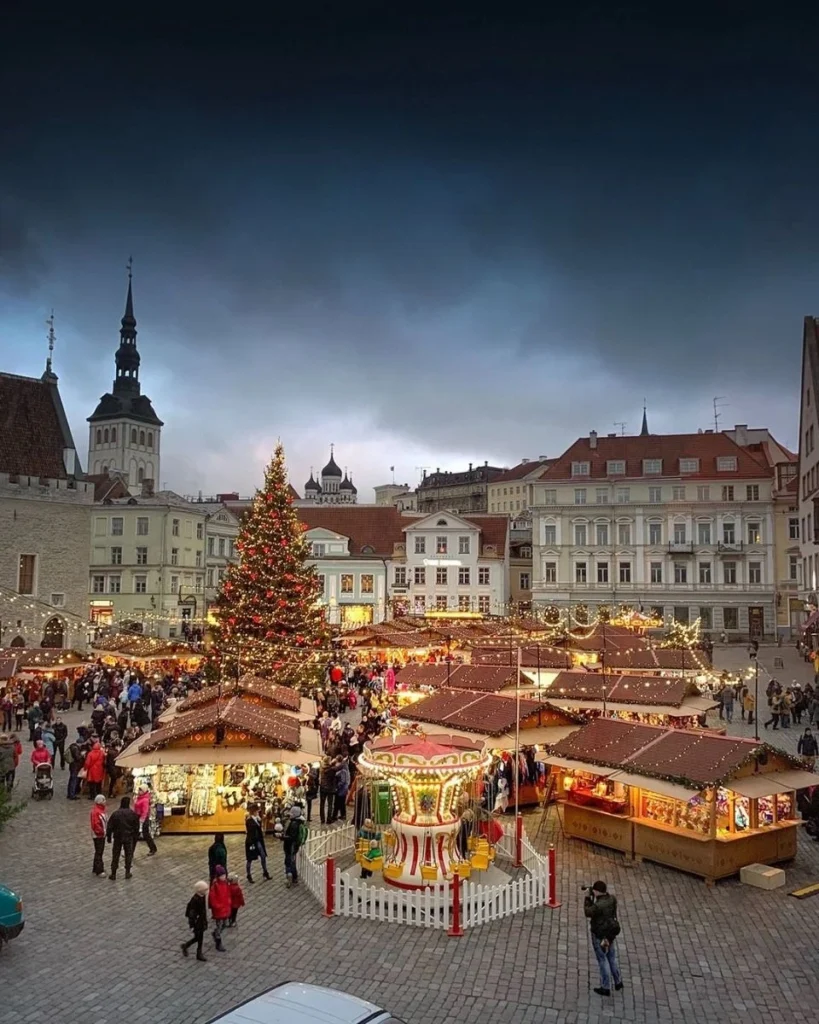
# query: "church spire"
644,429
52,337
127,357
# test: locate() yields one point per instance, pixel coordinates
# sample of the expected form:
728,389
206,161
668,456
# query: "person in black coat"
123,831
311,790
255,848
217,855
197,914
60,736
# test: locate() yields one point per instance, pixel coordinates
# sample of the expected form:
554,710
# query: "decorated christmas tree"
269,618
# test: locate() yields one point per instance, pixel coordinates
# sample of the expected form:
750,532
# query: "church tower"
124,429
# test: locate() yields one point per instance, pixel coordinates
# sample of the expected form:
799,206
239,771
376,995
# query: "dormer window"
580,469
616,467
727,464
652,467
689,465
368,550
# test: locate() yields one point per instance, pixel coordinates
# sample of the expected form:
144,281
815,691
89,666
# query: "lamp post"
755,656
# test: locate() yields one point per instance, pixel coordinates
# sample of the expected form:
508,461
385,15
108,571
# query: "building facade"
682,525
520,562
399,495
45,514
156,561
124,431
451,563
462,493
809,464
508,493
332,487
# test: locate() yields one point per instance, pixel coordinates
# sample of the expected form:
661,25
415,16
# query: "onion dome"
348,485
331,469
312,486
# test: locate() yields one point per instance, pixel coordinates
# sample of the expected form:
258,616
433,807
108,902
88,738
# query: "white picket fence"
432,906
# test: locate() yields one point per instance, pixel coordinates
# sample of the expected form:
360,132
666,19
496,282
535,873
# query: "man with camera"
601,909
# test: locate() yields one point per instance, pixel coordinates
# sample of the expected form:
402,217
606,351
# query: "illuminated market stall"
206,765
151,654
251,688
696,801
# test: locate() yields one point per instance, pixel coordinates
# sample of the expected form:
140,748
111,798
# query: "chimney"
593,440
147,489
741,434
523,461
470,467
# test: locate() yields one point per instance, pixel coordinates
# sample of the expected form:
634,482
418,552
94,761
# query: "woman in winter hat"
219,900
197,914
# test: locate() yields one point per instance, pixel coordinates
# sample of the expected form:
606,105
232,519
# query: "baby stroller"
43,788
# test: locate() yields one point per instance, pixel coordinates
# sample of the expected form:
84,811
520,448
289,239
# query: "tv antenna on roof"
622,425
719,401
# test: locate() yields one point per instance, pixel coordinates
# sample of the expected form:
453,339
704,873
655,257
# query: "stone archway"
18,641
54,633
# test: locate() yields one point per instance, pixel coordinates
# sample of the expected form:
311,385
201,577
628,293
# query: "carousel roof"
271,727
430,746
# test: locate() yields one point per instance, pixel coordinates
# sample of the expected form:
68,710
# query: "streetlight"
755,656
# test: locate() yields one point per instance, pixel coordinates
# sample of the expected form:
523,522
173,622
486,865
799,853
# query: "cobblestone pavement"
98,952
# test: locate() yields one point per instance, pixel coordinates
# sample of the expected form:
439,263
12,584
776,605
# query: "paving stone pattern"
97,952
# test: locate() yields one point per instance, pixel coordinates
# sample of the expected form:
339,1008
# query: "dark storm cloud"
476,239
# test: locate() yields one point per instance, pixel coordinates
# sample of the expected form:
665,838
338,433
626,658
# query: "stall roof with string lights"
671,697
485,678
42,659
694,800
129,647
253,689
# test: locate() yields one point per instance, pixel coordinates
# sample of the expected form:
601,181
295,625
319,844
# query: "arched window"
142,437
140,475
18,641
105,435
104,469
133,436
113,435
150,439
54,633
99,436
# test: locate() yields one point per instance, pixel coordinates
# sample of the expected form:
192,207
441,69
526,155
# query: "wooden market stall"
206,765
691,800
251,688
480,678
503,723
650,700
150,653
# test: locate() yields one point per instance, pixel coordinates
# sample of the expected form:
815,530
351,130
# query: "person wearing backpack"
600,907
295,835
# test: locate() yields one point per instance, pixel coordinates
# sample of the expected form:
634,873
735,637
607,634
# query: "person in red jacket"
99,823
237,899
39,755
94,770
219,903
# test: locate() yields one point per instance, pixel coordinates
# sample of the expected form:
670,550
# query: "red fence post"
554,902
455,928
330,887
519,840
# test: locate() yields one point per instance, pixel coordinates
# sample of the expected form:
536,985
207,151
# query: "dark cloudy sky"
429,240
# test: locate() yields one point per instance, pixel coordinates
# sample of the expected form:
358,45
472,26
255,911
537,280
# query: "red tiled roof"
33,429
272,728
523,469
376,526
488,714
668,447
106,486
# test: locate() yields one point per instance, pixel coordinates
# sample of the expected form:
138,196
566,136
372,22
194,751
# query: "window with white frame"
142,526
441,602
116,556
706,617
601,534
420,545
464,576
580,534
321,579
347,586
464,602
580,572
655,533
705,572
98,584
703,533
580,469
615,467
580,495
58,600
114,584
602,572
463,545
367,583
400,577
679,533
655,495
420,576
420,603
440,545
678,492
754,533
117,523
651,467
174,556
483,604
755,572
624,534
550,496
483,576
550,572
726,463
174,527
526,551
318,549
727,492
729,572
200,531
656,572
549,535
625,572
729,535
793,567
703,492
793,528
601,495
752,492
730,618
680,572
209,577
524,581
623,495
441,576
689,465
140,584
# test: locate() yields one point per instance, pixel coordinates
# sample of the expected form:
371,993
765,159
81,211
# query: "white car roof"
298,1003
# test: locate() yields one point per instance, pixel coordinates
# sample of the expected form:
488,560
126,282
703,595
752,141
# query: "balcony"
680,547
730,547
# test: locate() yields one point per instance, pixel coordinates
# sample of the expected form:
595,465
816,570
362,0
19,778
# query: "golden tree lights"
269,616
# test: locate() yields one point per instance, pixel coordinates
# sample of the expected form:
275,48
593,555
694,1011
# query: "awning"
134,758
692,707
759,785
670,789
795,778
579,766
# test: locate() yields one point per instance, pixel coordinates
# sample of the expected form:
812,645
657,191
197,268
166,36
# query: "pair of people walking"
224,896
121,830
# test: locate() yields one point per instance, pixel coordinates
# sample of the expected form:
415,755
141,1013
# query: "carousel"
423,795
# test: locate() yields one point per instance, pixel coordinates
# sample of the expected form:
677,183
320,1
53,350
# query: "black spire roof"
125,398
312,485
331,469
644,429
